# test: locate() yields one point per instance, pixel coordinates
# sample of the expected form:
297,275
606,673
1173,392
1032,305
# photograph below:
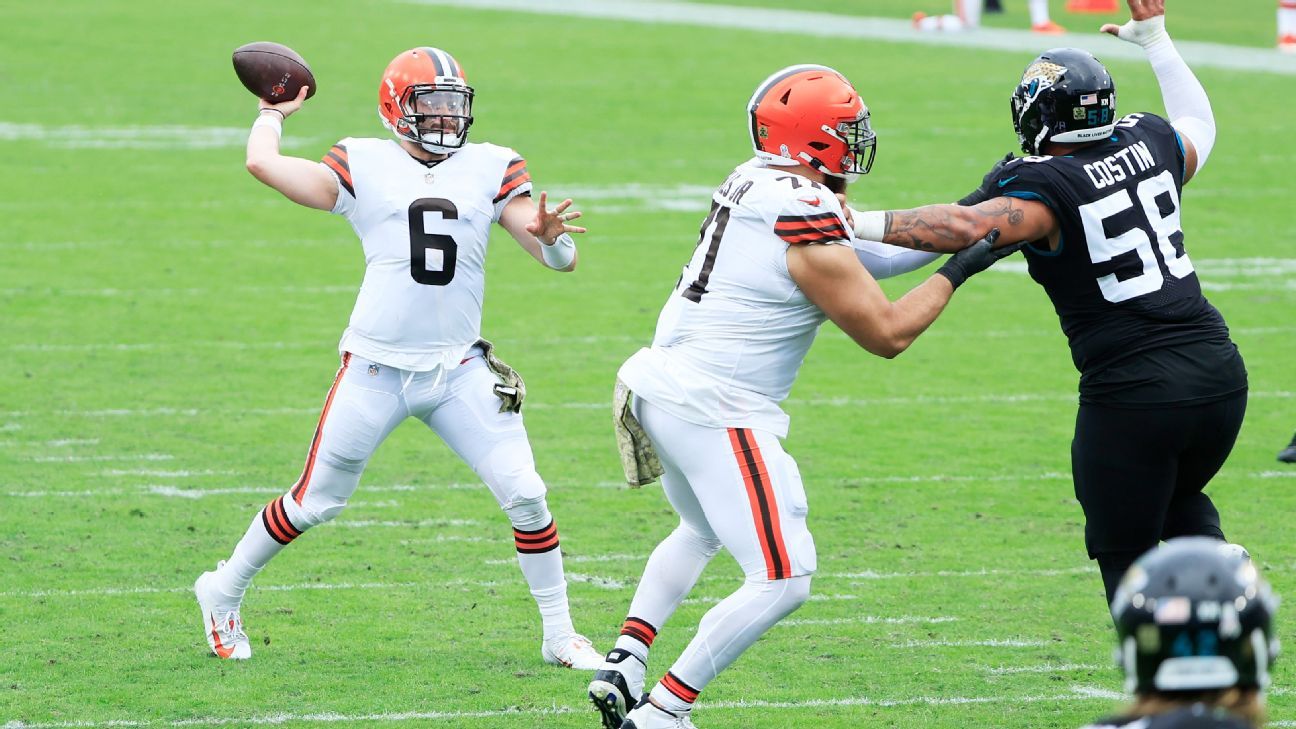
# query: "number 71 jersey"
735,330
424,232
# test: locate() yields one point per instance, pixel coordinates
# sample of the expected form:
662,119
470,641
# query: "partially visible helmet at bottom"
1194,615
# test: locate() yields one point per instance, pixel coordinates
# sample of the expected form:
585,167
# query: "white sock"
555,615
727,630
969,11
542,566
672,570
941,23
1039,12
1286,17
251,554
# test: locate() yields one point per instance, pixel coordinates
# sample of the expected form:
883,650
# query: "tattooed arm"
949,228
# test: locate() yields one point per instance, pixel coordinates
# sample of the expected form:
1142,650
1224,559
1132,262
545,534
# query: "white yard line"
606,583
837,402
1046,668
871,575
1076,693
869,620
996,643
172,491
164,474
110,457
135,137
785,23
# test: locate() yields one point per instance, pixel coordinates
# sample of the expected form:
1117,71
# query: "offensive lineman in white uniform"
422,205
774,259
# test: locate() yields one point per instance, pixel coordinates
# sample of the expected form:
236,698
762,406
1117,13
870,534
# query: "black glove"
988,190
975,258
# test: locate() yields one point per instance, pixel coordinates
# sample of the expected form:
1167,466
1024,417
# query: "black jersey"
1140,330
1197,716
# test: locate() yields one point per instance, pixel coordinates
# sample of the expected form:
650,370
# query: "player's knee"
796,592
349,460
782,596
529,514
707,545
512,477
317,506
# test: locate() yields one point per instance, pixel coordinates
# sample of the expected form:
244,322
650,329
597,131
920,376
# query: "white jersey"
424,231
736,328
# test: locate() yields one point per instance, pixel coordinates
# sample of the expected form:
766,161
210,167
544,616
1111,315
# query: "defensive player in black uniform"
1194,638
1162,387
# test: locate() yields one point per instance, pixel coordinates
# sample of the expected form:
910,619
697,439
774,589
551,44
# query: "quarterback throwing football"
422,204
773,261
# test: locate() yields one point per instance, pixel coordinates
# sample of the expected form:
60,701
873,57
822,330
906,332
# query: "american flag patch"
1088,99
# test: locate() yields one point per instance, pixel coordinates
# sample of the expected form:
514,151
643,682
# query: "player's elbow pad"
1201,133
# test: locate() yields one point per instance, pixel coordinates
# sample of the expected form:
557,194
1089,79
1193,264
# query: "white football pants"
368,400
734,487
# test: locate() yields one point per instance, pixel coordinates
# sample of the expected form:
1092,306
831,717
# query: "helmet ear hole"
821,146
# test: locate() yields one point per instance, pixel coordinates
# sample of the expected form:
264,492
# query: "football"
272,71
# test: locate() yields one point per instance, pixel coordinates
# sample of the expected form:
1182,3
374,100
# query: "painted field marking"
1244,274
869,620
170,136
606,583
996,643
910,401
96,459
1076,693
172,491
1046,668
871,575
164,474
805,23
322,344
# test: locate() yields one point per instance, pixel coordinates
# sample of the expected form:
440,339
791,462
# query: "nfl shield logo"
373,370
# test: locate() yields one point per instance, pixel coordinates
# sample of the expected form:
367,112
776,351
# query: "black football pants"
1139,476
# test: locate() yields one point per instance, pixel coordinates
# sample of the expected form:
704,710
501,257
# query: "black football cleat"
1288,454
617,686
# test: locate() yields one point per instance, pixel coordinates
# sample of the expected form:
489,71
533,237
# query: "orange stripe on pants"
299,489
764,507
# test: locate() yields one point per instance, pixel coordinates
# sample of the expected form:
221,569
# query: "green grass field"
170,329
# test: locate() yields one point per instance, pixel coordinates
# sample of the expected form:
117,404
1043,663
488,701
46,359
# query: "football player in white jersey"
422,204
773,261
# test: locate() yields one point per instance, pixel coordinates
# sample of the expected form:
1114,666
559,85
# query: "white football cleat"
648,715
617,686
221,623
572,650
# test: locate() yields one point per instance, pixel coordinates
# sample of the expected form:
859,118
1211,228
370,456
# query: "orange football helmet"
425,98
811,115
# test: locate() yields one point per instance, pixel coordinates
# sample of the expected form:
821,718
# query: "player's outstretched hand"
975,258
1146,24
549,224
286,107
987,190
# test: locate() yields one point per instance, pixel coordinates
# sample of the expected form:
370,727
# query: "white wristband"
560,254
273,121
870,225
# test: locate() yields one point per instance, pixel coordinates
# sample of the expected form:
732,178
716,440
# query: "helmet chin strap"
1040,139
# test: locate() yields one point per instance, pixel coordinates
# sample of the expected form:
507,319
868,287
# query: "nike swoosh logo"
1004,182
221,650
810,201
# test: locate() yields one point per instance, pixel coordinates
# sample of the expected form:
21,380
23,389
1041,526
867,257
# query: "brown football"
272,71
